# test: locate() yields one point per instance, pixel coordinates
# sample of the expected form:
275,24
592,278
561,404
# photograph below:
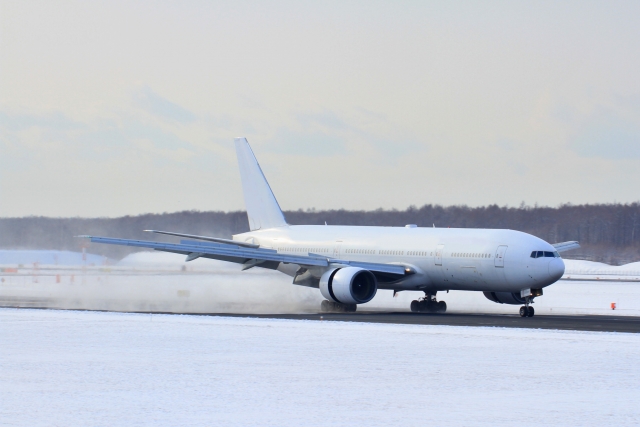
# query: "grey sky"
111,108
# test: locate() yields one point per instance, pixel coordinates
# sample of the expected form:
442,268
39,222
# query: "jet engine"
504,297
348,285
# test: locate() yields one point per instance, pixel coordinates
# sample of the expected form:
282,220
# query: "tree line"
607,232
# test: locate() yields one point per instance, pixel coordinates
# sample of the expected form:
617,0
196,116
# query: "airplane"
348,264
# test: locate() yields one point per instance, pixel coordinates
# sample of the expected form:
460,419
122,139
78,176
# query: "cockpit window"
544,254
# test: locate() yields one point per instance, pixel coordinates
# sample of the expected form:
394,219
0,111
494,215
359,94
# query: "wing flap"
380,268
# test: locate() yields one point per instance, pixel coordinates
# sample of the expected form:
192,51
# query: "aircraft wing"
249,257
566,246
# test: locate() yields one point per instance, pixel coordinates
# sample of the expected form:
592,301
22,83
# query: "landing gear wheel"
524,312
530,312
442,306
325,306
428,304
415,306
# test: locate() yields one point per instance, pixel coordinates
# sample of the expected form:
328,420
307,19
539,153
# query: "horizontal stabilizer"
566,246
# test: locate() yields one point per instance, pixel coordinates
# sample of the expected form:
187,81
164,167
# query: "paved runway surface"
576,323
569,322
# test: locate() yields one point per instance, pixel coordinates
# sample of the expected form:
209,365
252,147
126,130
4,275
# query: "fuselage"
442,258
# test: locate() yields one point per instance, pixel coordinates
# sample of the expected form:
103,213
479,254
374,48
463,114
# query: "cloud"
325,119
306,143
608,136
53,121
33,135
162,107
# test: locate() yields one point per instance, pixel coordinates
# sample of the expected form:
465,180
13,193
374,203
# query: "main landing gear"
336,307
526,310
428,304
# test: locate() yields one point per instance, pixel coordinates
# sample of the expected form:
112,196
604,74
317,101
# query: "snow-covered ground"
576,269
52,257
155,282
62,368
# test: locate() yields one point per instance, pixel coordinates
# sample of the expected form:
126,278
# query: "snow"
49,257
175,261
588,268
64,368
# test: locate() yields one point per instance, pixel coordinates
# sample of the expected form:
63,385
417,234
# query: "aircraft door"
438,257
336,249
499,258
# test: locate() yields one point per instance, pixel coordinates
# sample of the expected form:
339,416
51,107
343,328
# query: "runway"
574,323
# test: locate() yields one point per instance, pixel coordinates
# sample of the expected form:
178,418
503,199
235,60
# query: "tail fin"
262,207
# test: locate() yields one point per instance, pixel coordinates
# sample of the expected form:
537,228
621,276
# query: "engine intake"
348,285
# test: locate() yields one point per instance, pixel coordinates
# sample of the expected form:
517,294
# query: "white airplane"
348,264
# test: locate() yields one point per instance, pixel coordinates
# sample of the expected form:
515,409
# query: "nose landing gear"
428,304
526,310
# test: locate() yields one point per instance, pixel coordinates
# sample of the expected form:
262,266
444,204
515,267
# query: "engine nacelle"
348,285
505,297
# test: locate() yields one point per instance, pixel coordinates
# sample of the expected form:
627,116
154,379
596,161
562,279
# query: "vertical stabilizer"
262,207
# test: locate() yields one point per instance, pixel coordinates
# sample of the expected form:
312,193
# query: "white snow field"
66,368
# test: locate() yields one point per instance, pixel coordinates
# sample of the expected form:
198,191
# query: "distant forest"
608,233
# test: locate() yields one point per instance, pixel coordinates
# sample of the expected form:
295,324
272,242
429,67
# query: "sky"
120,108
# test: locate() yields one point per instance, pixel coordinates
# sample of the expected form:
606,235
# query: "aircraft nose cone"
556,269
